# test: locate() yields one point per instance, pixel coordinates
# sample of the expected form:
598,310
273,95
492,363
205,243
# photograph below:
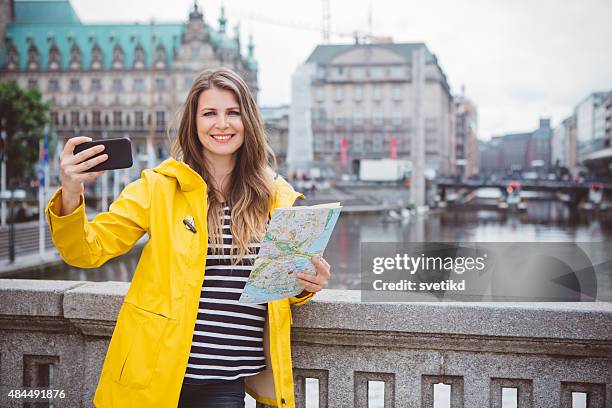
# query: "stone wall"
54,334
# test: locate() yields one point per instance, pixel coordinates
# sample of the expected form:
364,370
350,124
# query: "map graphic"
293,237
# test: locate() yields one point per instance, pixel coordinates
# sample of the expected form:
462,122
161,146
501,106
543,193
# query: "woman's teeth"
222,137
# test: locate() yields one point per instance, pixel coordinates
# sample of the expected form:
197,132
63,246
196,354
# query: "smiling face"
219,124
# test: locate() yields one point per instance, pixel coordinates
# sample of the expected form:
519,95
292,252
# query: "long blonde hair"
249,192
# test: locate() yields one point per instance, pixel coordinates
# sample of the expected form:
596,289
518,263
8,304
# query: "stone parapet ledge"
343,310
545,350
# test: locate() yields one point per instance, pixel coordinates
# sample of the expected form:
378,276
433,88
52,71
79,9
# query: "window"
74,118
54,85
396,117
377,118
319,142
54,118
377,142
139,119
160,119
319,94
95,118
357,72
161,151
117,85
96,84
187,83
75,85
397,72
160,84
358,142
139,85
339,71
33,83
357,92
320,72
117,118
357,117
338,118
377,92
397,92
377,72
339,93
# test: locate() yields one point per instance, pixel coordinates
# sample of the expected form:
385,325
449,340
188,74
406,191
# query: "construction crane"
359,36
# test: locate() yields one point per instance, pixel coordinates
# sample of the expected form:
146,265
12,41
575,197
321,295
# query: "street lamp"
12,197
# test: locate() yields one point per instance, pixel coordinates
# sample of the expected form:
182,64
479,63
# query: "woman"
179,337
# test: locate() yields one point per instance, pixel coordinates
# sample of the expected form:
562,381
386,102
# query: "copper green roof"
47,22
86,37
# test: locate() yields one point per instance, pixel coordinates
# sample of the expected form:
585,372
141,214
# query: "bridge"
54,334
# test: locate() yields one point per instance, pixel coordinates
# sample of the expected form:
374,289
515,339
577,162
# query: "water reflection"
543,221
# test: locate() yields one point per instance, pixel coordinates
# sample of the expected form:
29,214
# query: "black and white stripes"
228,335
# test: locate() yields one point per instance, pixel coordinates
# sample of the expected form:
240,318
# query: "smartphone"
119,153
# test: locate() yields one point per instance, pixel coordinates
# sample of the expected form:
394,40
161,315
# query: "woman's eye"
208,113
234,113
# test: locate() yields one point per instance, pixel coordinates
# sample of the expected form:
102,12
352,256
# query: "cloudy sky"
519,60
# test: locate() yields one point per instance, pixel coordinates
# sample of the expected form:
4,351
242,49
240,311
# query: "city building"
358,101
594,132
590,124
529,151
563,144
466,137
276,120
116,79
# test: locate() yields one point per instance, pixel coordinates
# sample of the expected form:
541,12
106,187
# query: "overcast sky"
519,60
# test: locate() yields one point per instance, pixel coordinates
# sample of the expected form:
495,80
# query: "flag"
393,145
343,148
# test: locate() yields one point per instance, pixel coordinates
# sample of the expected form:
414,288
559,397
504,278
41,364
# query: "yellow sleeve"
89,244
299,301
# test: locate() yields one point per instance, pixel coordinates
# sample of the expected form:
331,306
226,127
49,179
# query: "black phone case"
119,153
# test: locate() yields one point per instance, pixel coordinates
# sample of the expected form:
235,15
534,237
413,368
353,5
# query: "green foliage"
23,115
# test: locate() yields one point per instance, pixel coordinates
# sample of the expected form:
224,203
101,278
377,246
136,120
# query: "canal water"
544,221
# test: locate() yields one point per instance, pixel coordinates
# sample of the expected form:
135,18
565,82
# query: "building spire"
222,20
195,13
251,45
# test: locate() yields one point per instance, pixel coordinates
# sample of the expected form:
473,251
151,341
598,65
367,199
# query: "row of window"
359,143
98,118
377,92
362,72
95,85
75,58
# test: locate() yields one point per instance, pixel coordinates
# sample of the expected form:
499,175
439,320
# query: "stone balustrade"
54,334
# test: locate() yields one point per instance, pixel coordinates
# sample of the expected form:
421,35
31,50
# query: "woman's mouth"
223,138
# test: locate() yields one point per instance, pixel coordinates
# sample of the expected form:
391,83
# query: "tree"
23,115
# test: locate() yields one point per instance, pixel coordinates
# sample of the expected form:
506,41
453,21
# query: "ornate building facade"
114,80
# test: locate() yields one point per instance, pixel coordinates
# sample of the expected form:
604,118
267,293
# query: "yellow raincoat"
148,352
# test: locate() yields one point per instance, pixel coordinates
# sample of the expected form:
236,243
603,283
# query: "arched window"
96,57
12,57
33,58
54,58
75,57
118,57
139,57
160,57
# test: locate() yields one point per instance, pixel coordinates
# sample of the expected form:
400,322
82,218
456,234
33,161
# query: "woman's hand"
72,171
314,283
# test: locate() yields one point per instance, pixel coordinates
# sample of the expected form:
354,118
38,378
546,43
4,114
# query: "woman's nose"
222,122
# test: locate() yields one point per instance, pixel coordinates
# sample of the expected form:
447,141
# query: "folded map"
294,235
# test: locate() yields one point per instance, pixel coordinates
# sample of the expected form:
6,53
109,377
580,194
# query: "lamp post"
12,197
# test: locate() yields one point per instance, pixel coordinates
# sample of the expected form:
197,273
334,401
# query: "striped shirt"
228,336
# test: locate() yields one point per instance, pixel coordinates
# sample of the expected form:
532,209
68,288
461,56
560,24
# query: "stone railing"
54,334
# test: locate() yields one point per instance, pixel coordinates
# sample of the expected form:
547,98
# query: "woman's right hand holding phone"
73,171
